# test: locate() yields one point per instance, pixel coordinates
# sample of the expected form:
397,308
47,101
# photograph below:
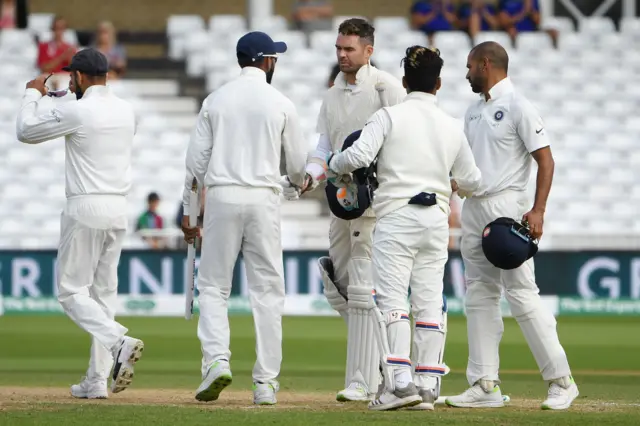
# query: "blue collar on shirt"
422,96
501,88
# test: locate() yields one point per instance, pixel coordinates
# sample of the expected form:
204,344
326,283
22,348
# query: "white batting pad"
331,292
428,349
363,359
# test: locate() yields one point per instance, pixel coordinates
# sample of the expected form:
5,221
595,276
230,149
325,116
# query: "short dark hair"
422,66
358,27
153,197
494,52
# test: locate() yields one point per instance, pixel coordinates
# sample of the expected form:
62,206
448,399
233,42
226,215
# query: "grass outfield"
41,356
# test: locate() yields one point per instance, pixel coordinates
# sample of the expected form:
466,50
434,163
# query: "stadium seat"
178,25
497,36
38,22
389,25
270,25
323,42
69,37
561,24
452,41
337,20
533,42
296,40
222,24
596,25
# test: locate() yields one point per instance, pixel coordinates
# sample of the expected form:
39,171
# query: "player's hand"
190,234
534,219
309,184
38,84
454,185
290,191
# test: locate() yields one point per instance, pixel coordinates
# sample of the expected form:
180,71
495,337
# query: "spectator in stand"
56,54
8,14
432,16
107,43
13,14
150,219
477,15
518,16
313,15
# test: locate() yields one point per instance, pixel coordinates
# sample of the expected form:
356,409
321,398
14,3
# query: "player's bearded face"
74,85
272,69
351,53
476,76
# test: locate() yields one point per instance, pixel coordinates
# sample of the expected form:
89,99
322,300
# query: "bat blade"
191,253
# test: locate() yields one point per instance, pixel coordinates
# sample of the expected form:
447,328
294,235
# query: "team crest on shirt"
486,232
499,115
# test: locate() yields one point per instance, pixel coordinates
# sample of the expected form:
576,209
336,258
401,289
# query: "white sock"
403,378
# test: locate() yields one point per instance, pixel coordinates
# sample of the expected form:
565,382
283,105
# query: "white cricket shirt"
418,147
502,132
98,131
239,135
347,107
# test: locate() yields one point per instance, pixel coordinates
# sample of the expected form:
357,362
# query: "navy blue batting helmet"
507,244
364,185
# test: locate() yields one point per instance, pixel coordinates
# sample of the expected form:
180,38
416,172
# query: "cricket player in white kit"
235,152
418,146
98,131
505,131
359,90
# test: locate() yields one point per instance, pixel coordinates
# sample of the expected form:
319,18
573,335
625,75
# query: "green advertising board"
583,275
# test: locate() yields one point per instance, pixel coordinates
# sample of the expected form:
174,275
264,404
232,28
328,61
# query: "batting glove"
289,190
339,181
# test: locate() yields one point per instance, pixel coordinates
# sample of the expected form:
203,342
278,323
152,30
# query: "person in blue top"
477,15
518,16
431,16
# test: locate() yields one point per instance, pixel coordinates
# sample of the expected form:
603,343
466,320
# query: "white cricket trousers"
485,283
92,230
242,219
410,250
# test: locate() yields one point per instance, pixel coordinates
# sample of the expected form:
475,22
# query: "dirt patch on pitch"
20,398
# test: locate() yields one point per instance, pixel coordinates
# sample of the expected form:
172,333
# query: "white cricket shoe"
354,392
399,398
265,393
561,394
217,378
126,354
483,394
90,389
428,400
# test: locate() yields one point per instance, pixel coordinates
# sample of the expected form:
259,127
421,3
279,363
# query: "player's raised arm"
33,127
366,148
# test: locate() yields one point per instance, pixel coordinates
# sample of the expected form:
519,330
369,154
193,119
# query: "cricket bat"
194,211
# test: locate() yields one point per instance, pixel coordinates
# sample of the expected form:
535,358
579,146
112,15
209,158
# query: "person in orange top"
56,54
